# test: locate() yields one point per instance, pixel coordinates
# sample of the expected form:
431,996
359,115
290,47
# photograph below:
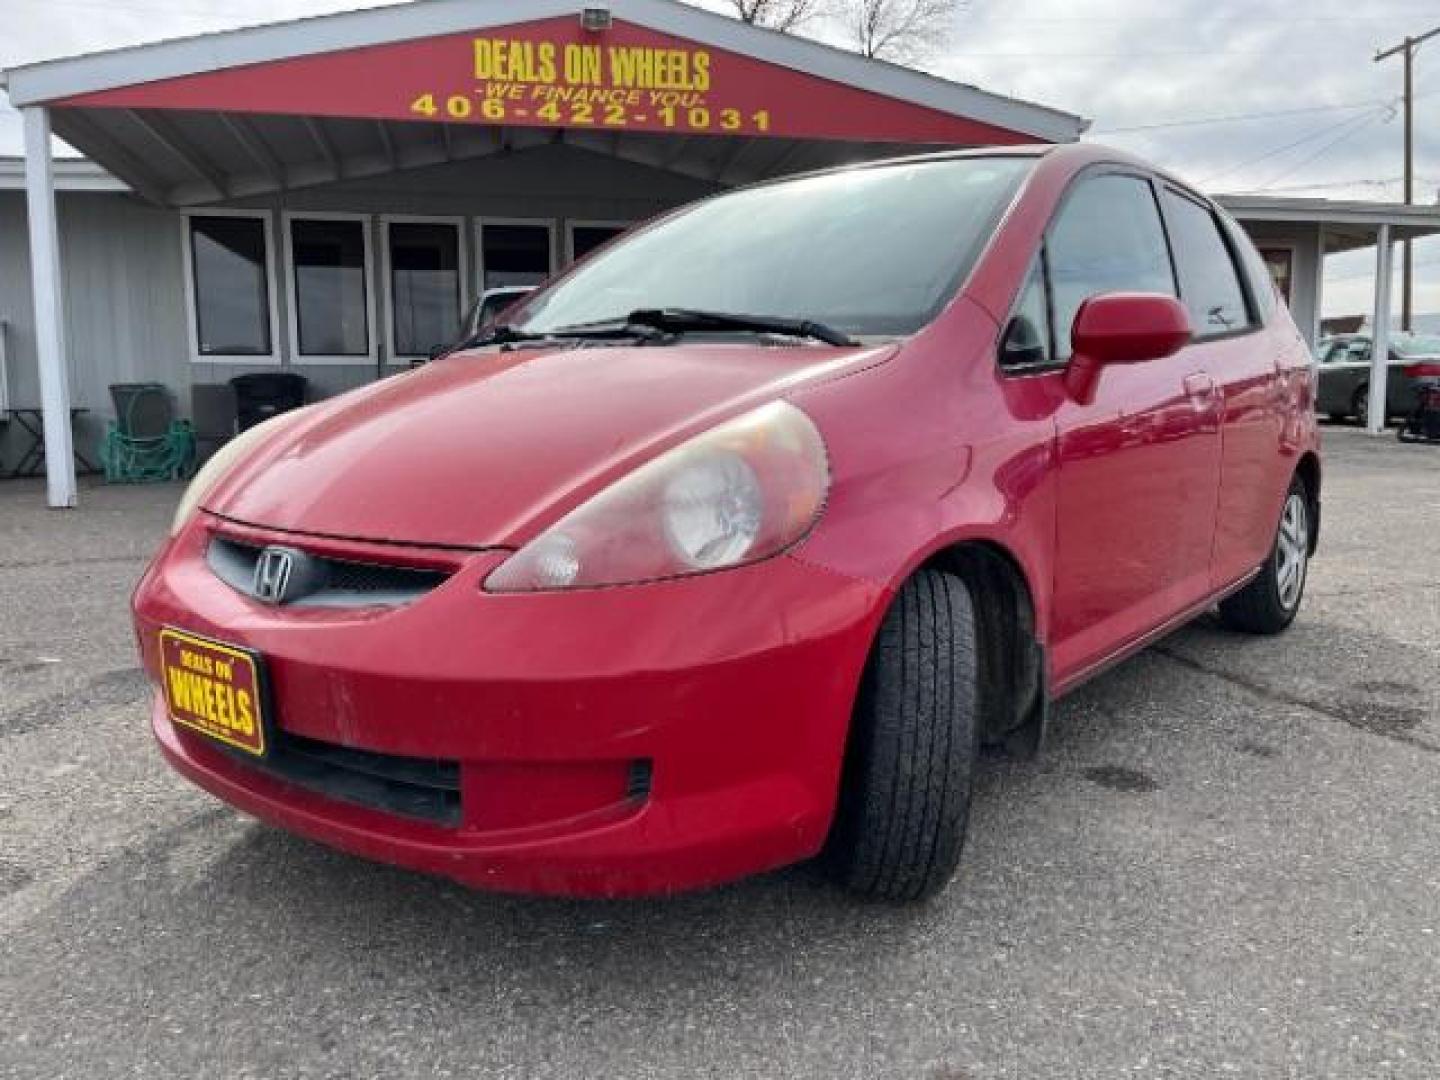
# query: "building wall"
124,269
1304,240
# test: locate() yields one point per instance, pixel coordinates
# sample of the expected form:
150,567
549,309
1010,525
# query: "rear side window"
1262,285
1106,238
1209,285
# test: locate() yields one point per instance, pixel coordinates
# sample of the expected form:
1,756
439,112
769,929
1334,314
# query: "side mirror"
1122,328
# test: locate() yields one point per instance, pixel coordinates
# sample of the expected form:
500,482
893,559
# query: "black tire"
1360,404
1261,606
905,796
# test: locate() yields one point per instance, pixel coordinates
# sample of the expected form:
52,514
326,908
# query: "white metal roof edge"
1334,211
71,174
48,80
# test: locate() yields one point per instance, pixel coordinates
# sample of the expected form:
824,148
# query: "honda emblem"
273,572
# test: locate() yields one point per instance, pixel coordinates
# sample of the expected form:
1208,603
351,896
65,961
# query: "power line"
1297,166
1237,117
1319,133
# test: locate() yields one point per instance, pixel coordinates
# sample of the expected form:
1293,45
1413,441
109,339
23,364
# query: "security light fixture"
595,19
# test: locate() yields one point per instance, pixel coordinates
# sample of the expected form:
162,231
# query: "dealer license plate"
215,689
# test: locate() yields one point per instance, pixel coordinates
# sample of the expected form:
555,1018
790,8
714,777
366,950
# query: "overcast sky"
1126,64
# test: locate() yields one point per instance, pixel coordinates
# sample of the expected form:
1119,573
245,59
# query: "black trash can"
263,394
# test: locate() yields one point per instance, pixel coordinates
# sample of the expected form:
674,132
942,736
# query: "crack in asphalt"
84,560
1402,587
1395,730
124,686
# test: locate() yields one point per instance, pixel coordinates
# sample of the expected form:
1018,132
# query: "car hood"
480,449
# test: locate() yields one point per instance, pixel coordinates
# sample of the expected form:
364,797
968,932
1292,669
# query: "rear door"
1232,347
1139,466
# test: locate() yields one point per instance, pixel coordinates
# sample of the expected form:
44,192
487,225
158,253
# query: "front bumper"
731,691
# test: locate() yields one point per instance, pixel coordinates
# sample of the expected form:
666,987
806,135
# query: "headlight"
221,461
743,491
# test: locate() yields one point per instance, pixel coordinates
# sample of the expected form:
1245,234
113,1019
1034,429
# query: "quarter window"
1106,238
229,261
1209,284
1027,335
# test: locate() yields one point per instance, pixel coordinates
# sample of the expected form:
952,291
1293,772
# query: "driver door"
1139,465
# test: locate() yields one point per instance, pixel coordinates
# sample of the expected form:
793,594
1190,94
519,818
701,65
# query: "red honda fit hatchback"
735,543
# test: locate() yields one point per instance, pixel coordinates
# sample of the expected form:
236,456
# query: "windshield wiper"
506,334
680,320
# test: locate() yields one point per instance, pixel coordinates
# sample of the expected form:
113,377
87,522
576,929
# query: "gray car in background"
1344,365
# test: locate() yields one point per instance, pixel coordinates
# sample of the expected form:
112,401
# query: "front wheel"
1268,604
905,796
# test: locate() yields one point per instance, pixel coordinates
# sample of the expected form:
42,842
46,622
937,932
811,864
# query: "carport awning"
363,93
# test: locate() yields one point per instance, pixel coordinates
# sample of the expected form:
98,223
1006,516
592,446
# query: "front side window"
230,264
424,284
331,295
868,251
1106,238
1209,285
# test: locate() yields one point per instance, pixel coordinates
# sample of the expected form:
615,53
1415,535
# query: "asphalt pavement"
1226,862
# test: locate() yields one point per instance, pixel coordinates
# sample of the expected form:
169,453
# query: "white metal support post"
1380,332
49,309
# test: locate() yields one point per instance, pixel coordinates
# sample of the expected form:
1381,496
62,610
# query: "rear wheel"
1268,604
905,799
1360,404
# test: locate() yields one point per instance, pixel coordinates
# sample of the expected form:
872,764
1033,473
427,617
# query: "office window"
586,238
424,258
328,259
229,261
514,253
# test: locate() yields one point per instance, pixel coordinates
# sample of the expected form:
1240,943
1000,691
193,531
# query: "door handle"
1199,385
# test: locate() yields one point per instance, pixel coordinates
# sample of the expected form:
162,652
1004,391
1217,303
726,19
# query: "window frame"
1090,172
571,224
292,309
393,355
192,306
1255,320
551,227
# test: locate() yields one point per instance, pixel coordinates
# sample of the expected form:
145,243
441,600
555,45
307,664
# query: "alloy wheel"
1292,551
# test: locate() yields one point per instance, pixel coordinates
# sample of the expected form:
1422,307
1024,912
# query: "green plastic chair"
145,443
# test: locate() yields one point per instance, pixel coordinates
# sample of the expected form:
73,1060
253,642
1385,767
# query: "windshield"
1417,345
869,251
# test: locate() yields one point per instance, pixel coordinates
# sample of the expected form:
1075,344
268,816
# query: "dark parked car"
1345,373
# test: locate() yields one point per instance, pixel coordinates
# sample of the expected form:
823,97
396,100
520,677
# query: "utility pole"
1407,48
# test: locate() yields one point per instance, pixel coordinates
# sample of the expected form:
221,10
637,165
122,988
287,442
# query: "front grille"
423,788
329,582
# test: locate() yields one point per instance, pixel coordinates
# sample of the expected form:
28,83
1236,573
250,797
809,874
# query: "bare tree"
782,15
900,30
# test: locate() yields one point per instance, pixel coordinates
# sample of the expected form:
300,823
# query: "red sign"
555,74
